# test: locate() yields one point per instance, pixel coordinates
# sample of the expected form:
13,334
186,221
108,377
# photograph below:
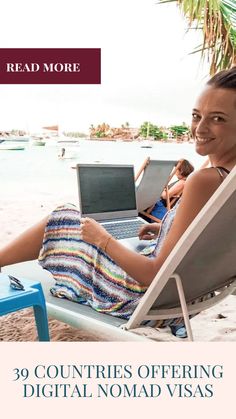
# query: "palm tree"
217,20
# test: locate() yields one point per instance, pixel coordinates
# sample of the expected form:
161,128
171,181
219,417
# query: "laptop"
107,194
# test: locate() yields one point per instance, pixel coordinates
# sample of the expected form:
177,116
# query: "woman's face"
178,174
214,121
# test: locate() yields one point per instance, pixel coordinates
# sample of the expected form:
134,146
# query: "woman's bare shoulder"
199,187
207,178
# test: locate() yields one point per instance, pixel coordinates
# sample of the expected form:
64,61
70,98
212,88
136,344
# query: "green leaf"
217,21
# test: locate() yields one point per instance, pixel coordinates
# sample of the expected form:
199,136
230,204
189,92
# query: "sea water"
25,174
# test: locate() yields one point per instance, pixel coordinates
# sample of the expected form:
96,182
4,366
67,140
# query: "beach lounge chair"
170,201
202,261
156,174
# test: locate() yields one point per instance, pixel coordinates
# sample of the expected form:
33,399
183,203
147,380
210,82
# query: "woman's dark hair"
185,168
225,79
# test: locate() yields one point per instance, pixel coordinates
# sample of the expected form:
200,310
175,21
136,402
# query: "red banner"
50,66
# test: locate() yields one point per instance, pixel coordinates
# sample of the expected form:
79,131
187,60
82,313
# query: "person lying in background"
185,168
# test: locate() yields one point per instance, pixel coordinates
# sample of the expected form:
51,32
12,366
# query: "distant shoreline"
130,140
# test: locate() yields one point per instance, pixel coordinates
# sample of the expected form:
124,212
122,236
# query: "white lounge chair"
156,176
202,261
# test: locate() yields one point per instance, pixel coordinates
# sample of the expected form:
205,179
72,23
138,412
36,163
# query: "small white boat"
19,138
37,142
147,144
11,147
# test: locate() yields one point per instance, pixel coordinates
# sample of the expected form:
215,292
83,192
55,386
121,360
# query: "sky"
147,72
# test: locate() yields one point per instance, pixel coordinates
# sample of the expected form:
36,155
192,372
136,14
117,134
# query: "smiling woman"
90,266
214,118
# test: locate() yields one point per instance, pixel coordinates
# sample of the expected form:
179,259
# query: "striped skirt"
82,272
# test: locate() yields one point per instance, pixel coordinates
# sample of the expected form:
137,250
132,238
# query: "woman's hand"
93,232
149,231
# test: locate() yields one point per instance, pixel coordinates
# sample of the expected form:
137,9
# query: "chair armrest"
144,165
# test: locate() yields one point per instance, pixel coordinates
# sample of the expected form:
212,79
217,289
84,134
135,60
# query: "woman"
89,265
185,168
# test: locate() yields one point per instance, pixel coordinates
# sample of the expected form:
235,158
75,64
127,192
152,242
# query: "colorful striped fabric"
83,273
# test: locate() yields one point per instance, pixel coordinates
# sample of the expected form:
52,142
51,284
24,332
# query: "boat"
19,138
148,140
147,144
37,141
11,147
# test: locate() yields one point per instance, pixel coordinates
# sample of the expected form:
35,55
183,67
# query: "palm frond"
217,20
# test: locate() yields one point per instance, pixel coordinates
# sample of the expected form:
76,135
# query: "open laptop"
107,194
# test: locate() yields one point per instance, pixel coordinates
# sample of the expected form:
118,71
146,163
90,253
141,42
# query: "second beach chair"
155,176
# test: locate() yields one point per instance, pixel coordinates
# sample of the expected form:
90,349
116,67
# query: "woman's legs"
25,247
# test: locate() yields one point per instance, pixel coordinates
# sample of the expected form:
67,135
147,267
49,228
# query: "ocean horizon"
38,170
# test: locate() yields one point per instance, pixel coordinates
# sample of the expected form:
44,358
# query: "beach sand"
215,324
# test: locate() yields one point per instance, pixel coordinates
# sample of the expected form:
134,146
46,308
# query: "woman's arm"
136,265
199,187
175,190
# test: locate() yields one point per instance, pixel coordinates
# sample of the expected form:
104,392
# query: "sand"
215,324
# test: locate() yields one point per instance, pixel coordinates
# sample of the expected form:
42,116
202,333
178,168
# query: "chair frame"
143,167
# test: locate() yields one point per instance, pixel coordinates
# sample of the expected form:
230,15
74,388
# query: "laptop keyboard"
124,229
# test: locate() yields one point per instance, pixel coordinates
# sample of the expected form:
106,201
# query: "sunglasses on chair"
15,283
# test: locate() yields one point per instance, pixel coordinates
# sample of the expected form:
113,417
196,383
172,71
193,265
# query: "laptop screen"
106,189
